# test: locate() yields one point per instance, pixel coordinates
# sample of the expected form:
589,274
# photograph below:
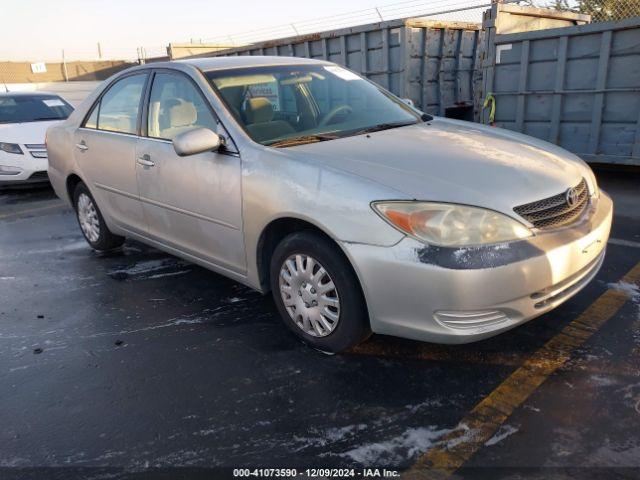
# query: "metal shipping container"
430,62
578,87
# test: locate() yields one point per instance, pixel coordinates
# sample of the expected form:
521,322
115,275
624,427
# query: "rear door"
105,149
192,203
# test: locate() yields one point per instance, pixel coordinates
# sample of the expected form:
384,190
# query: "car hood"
27,132
458,162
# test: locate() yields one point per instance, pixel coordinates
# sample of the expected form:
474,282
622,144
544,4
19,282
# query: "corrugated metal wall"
440,65
430,62
578,87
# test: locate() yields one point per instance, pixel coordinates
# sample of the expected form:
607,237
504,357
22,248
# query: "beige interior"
181,116
260,122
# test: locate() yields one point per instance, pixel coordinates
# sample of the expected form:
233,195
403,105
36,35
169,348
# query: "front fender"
275,186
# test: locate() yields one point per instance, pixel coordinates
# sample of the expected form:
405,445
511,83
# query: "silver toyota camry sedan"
360,213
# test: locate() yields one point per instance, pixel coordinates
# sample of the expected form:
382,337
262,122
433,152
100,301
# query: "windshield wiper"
289,142
381,126
45,118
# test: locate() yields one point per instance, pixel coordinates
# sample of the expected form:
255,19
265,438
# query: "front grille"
555,211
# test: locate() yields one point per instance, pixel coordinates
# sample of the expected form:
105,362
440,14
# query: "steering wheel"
333,113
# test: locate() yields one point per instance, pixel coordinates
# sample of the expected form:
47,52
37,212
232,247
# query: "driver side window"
175,107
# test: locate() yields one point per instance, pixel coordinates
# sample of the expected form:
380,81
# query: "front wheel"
317,293
92,223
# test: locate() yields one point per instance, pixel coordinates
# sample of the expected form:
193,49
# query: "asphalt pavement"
136,364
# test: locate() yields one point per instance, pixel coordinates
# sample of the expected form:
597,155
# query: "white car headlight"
11,148
451,225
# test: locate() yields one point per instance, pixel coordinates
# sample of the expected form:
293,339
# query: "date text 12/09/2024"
315,473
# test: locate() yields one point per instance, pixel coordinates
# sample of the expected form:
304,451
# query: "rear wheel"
92,223
317,293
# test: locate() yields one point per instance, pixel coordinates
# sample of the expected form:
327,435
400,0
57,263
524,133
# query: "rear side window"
118,109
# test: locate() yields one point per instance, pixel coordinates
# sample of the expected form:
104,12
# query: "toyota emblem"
572,196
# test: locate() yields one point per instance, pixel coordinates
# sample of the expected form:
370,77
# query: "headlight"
11,148
595,193
451,225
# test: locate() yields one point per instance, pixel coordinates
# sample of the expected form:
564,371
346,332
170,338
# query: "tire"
92,223
311,313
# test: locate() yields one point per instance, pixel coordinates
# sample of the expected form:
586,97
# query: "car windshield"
289,105
32,108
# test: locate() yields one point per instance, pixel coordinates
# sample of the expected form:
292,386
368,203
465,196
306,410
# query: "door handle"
82,146
145,161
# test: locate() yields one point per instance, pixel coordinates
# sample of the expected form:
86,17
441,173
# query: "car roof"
246,61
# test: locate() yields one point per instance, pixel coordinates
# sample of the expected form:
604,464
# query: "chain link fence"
469,11
600,10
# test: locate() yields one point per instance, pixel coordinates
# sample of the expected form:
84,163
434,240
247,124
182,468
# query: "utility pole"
64,67
140,51
99,51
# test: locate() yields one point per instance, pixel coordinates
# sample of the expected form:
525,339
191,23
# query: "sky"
38,30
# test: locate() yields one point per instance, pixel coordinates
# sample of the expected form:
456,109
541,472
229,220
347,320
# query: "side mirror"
194,141
408,101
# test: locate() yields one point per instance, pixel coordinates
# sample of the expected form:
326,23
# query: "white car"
24,119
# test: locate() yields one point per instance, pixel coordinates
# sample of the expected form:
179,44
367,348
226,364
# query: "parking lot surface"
137,362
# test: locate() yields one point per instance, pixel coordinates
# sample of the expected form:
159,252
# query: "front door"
105,148
192,203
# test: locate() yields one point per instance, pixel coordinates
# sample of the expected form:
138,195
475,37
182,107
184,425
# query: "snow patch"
151,269
503,432
206,432
602,381
187,321
330,435
460,253
428,404
170,274
149,266
409,444
171,323
630,289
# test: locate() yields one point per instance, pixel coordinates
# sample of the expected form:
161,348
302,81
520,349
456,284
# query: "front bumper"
446,295
25,168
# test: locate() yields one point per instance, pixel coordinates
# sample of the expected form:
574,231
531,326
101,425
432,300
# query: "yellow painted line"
479,425
31,210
